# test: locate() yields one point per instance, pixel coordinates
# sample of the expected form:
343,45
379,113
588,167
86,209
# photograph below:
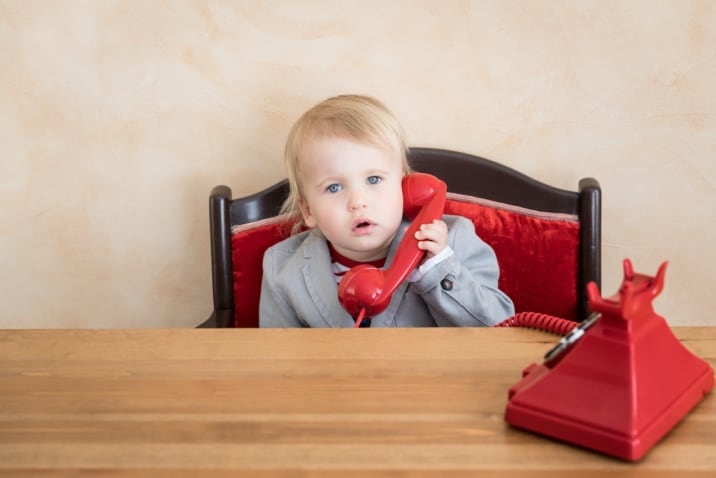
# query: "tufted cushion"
537,253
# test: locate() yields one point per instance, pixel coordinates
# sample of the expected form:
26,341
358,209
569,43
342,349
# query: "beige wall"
117,118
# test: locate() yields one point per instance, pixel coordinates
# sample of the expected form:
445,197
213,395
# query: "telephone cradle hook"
622,385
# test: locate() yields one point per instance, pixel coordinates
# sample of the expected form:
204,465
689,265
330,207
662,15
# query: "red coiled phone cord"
536,320
533,320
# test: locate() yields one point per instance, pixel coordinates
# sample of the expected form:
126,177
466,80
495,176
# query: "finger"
434,232
430,247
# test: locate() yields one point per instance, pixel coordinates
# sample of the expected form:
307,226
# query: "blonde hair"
355,117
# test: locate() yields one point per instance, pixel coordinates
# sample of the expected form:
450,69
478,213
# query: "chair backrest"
547,240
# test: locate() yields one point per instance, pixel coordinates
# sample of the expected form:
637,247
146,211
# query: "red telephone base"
620,388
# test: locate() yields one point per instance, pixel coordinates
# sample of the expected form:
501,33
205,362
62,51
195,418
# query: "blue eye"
334,188
374,179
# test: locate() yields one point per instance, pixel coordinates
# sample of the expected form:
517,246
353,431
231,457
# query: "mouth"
362,225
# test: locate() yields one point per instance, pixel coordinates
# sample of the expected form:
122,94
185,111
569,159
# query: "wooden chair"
547,240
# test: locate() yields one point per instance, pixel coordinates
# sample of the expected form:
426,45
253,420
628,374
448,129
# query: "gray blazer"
299,289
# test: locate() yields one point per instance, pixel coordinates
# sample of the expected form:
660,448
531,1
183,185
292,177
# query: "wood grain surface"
289,402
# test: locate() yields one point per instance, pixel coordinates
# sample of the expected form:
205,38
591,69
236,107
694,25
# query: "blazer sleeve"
462,290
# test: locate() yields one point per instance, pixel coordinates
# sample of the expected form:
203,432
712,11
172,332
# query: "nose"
357,202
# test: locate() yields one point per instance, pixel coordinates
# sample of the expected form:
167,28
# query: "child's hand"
432,237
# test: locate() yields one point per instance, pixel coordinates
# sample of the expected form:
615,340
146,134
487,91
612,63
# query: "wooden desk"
277,403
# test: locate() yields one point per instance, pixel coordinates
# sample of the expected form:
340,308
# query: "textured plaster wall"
117,118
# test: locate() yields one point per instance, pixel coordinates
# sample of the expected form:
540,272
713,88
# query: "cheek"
320,213
398,200
394,204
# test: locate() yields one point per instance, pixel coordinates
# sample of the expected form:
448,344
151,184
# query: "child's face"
352,193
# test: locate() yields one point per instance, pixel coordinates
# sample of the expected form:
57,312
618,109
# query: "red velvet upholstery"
537,253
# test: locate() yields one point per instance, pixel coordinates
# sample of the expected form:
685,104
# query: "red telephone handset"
367,290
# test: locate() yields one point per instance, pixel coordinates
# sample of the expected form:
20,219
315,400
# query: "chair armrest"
590,218
221,261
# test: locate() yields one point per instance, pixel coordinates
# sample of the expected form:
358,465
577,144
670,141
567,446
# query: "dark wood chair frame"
464,174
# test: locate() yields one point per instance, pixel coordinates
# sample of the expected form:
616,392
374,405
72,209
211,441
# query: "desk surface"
277,403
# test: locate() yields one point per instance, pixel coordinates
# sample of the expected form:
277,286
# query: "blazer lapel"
321,283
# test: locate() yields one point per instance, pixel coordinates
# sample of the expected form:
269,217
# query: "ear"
308,219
